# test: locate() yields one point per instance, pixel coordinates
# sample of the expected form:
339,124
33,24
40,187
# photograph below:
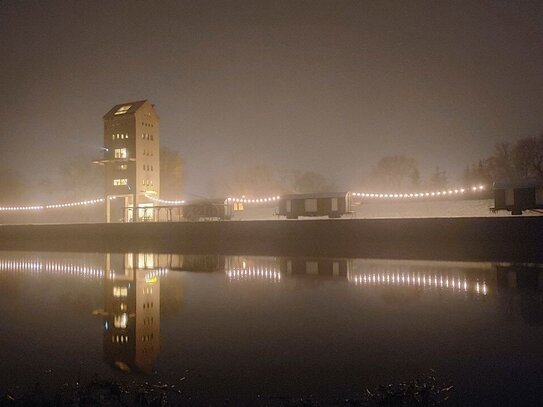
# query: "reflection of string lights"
417,280
256,273
159,272
50,267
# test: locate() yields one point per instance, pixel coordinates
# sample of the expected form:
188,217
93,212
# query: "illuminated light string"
52,206
244,200
418,280
261,273
429,194
159,272
165,201
36,267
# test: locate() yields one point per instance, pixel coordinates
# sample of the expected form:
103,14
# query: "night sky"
329,86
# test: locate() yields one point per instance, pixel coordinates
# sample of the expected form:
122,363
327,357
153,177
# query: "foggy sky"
315,85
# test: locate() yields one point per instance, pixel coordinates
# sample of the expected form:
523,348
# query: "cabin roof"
316,195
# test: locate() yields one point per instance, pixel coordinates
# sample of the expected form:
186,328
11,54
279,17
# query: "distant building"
131,159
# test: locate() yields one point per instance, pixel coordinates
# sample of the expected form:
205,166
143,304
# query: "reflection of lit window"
123,306
123,109
121,153
120,291
120,321
146,260
120,181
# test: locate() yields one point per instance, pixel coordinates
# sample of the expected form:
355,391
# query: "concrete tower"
132,160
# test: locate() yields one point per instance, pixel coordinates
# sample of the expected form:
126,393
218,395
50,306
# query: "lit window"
113,137
120,181
121,153
120,291
123,109
120,321
123,167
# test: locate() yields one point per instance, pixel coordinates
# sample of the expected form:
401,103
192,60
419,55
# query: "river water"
271,330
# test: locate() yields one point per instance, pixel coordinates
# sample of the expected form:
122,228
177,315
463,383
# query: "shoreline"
518,239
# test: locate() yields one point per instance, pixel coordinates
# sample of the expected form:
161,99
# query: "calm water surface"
248,329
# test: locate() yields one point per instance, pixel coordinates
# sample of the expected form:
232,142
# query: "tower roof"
123,109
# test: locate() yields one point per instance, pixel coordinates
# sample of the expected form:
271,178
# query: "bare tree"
171,174
13,186
397,172
438,180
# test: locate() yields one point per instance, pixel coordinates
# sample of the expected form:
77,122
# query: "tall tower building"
132,160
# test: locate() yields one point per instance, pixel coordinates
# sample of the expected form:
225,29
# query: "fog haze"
318,85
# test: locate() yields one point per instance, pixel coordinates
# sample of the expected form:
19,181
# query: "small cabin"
316,267
518,197
333,205
208,209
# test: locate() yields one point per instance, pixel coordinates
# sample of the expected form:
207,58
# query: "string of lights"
429,194
417,280
50,267
265,200
257,273
245,200
52,206
164,201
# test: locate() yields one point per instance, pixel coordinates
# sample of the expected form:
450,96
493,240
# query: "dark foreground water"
268,330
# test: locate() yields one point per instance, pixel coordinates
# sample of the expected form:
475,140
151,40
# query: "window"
311,205
120,291
120,181
120,321
334,205
123,109
122,167
311,267
121,153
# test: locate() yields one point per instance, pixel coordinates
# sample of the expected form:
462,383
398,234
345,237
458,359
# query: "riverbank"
478,239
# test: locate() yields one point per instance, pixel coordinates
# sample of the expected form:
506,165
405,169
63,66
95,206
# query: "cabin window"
509,197
334,205
311,205
289,205
312,267
335,268
539,196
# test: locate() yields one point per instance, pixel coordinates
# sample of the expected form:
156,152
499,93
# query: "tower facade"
131,159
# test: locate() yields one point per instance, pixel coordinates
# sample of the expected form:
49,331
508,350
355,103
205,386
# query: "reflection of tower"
132,308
